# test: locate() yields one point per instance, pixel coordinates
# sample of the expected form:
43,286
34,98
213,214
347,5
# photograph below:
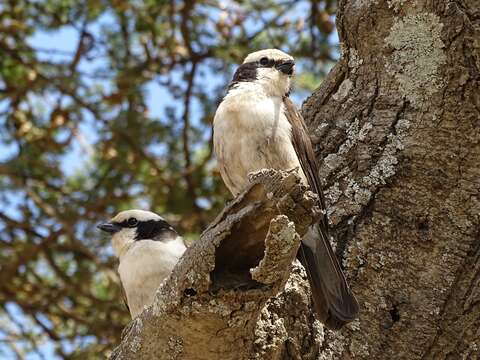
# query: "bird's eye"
132,222
264,61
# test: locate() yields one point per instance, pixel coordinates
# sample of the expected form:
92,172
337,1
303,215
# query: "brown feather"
123,293
334,302
124,296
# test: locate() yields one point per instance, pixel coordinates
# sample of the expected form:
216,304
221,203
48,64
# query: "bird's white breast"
251,132
143,268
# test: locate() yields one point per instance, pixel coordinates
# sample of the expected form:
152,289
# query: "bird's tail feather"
333,300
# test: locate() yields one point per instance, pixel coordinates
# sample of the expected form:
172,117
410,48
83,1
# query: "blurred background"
107,105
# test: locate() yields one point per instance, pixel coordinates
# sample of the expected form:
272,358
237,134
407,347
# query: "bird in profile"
257,126
148,248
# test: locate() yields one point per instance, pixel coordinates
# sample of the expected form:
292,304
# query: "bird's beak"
286,67
109,227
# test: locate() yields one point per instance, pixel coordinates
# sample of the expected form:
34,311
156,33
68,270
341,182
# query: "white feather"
144,267
140,215
251,132
274,54
144,264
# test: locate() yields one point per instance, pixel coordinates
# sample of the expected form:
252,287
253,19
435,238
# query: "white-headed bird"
256,127
148,248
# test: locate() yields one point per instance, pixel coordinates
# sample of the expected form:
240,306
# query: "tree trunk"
396,127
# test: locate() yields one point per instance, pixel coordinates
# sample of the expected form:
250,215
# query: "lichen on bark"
418,55
404,194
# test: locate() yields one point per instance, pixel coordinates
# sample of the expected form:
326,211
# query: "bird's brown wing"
123,292
334,302
124,296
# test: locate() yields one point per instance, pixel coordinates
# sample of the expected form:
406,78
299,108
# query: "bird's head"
270,68
130,226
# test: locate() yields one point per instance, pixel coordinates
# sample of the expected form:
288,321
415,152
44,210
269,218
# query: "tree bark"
214,305
396,126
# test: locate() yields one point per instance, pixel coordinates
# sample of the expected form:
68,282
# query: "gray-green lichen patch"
354,60
332,347
281,245
134,340
349,199
359,4
353,57
396,5
175,347
418,55
343,90
333,193
333,161
270,335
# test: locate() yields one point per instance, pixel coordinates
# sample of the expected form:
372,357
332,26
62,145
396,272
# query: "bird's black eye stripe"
245,72
147,229
129,223
152,228
248,71
132,222
266,62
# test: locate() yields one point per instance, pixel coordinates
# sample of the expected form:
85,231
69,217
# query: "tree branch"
212,305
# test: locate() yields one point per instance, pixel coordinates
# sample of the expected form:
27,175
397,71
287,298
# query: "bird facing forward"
148,248
256,127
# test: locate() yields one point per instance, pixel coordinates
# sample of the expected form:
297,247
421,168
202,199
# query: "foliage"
81,137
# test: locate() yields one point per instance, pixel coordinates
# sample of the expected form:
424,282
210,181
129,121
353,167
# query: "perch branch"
212,304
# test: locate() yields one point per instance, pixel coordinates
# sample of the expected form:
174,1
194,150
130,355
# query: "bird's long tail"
333,300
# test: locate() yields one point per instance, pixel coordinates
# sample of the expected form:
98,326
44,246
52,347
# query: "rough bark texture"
214,305
396,127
